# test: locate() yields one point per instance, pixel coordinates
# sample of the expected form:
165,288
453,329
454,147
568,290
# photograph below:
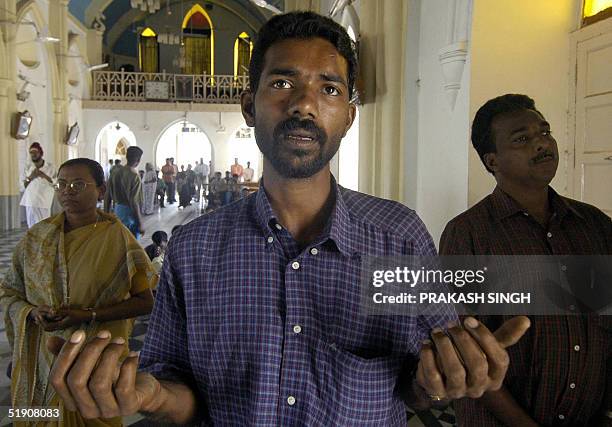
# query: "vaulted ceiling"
120,18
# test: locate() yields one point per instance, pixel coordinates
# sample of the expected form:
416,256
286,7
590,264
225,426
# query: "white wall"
157,122
437,180
522,46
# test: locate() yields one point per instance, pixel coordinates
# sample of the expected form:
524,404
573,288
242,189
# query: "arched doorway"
243,146
113,141
184,141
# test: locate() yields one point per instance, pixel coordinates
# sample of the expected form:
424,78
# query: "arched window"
199,42
242,54
148,51
121,148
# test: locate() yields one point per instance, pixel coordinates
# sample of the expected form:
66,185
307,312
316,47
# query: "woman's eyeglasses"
74,186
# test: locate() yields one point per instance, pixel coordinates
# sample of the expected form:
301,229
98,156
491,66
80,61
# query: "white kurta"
39,193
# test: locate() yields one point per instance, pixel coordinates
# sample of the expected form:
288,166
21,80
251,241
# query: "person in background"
156,250
125,193
149,186
201,171
116,166
227,189
183,188
216,188
237,169
169,176
78,270
37,181
248,173
107,169
160,190
190,176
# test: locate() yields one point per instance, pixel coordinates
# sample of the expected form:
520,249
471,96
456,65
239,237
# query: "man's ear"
490,160
351,118
247,104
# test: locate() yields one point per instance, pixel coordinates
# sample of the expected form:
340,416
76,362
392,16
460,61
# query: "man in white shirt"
248,173
201,170
37,182
107,169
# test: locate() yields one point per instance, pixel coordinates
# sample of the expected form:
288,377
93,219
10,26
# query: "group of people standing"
188,182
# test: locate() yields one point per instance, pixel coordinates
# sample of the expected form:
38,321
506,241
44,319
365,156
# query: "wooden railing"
202,88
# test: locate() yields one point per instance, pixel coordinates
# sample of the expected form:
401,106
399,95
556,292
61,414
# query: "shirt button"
270,239
314,251
572,385
297,329
549,234
561,417
291,400
295,265
576,348
564,268
278,226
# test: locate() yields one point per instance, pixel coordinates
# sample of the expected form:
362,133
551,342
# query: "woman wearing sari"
149,185
81,269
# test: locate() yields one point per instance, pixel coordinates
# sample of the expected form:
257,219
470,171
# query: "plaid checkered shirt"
268,333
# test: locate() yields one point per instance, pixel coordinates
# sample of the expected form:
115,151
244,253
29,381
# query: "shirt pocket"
361,391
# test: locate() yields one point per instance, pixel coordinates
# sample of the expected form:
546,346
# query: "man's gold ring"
435,397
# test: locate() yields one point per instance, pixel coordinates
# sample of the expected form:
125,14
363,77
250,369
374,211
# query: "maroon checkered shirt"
560,371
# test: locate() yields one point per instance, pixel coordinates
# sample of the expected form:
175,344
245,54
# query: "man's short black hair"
158,237
97,173
117,161
482,134
133,154
302,25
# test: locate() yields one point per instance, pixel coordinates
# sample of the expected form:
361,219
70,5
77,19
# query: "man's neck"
303,206
533,199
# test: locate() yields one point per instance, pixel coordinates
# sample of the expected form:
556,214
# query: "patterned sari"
97,265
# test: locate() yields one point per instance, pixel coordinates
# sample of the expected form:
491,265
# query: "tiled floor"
163,219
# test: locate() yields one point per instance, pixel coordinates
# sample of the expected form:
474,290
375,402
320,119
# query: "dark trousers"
171,191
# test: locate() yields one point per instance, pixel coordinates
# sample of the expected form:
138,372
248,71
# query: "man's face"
527,153
35,155
301,110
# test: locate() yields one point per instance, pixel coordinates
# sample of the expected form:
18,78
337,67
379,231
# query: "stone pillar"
9,164
58,26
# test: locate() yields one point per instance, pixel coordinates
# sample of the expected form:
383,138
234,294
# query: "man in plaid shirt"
257,319
561,371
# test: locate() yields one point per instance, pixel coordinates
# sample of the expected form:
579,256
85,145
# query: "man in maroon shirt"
561,370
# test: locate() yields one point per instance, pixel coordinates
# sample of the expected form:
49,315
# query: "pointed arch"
243,47
193,43
148,51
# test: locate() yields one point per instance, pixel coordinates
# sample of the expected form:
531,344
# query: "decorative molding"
453,56
452,60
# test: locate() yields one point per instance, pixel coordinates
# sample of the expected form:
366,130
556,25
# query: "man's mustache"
293,124
543,154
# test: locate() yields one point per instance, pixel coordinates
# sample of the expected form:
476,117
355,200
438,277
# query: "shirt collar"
505,206
338,228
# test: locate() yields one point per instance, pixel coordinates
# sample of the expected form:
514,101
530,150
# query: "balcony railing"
201,88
